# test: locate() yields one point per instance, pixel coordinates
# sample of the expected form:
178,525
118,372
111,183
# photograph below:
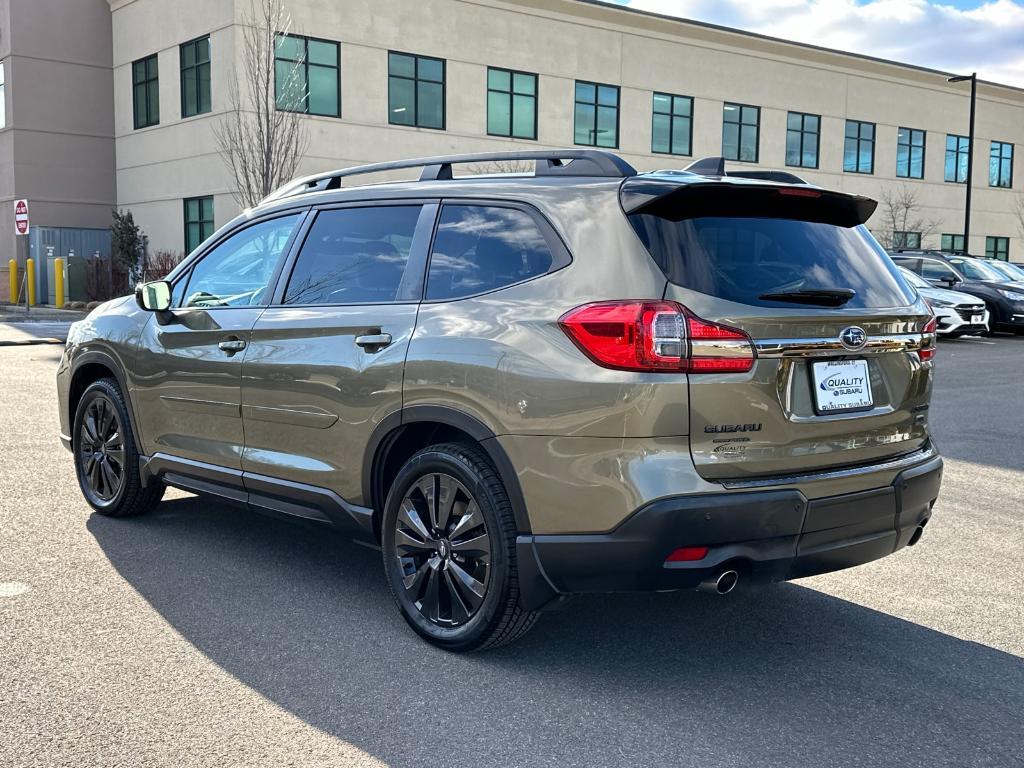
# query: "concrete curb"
28,342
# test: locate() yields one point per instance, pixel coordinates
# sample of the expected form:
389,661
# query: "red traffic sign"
21,217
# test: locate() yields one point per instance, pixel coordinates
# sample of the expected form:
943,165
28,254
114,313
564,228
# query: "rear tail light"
656,336
927,350
687,555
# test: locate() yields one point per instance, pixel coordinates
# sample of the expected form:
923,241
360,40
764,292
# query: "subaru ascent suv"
522,387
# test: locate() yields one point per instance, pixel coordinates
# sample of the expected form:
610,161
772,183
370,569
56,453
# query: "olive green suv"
527,386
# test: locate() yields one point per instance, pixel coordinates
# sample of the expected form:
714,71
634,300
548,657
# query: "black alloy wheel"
443,550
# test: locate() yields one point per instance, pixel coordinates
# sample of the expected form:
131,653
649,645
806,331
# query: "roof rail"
549,162
715,166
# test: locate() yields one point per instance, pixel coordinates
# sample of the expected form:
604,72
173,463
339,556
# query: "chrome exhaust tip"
722,584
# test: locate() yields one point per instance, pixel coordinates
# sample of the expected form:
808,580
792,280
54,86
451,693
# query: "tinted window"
354,256
976,270
237,272
739,259
936,270
482,248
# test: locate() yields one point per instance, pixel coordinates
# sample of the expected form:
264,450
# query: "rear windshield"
741,259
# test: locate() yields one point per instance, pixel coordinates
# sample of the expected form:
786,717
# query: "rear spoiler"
687,198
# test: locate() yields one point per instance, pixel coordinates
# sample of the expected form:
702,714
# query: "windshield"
748,259
1011,271
914,279
977,270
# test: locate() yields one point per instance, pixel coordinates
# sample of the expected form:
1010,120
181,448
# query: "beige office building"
400,78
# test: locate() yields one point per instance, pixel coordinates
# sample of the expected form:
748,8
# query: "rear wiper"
823,297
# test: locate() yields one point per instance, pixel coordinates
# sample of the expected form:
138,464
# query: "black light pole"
973,77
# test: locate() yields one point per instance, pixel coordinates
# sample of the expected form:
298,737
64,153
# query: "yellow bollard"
30,281
12,275
58,282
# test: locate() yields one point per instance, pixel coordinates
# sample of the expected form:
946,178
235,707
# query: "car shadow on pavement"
783,676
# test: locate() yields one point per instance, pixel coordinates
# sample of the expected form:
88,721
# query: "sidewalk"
17,314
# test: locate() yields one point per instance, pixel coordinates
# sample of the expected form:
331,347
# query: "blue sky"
986,36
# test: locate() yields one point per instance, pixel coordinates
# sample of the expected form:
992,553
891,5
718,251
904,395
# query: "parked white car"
959,313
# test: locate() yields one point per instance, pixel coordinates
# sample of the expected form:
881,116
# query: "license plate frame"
854,394
977,319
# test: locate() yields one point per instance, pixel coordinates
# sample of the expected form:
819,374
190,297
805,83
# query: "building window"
803,133
416,90
3,97
906,239
146,92
195,77
910,153
859,149
741,126
511,103
997,248
958,149
672,124
1000,165
597,115
953,244
198,221
306,75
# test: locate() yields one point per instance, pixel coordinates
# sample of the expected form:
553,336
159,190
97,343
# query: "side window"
237,272
935,270
354,256
482,248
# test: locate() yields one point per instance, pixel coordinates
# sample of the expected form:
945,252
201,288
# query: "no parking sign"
21,217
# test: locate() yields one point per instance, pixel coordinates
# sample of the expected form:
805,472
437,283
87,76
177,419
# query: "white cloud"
988,39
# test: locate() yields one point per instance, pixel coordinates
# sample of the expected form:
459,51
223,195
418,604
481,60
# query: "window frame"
183,272
904,244
803,132
561,257
413,281
910,151
995,240
739,137
146,83
956,153
213,220
194,71
953,236
306,39
999,159
595,104
415,79
671,115
511,93
860,140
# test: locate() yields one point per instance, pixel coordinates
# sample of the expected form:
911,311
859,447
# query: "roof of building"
757,35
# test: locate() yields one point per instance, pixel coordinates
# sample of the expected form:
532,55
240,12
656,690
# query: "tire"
437,556
106,457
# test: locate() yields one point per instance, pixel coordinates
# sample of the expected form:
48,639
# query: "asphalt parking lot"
202,635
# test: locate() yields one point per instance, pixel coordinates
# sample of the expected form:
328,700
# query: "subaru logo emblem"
853,337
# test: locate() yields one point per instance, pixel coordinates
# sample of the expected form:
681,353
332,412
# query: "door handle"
231,346
374,341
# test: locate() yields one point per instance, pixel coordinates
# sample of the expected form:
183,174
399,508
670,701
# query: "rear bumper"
767,535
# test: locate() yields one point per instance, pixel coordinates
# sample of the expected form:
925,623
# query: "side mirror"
952,280
154,296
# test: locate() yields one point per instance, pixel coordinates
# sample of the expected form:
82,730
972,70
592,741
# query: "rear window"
483,248
741,259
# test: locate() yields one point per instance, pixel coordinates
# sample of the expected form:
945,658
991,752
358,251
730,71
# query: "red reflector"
799,192
656,336
687,555
927,350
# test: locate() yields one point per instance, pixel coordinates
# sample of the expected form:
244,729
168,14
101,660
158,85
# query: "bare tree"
261,144
901,213
501,167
